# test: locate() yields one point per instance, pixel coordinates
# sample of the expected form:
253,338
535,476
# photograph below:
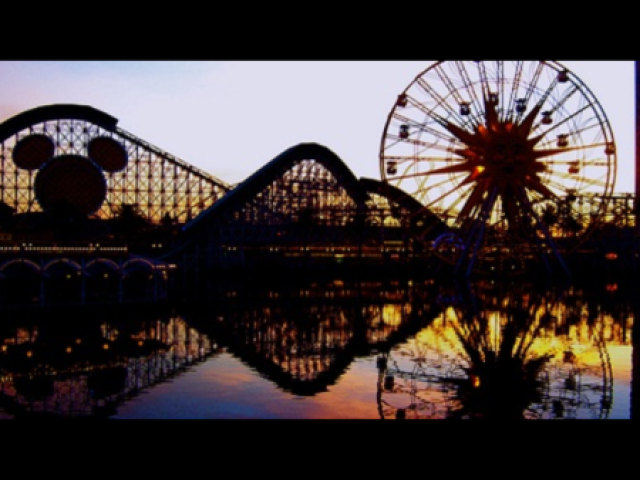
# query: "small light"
140,343
78,341
4,348
29,354
68,349
105,346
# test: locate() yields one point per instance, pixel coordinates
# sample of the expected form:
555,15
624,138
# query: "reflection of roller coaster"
301,341
517,360
84,374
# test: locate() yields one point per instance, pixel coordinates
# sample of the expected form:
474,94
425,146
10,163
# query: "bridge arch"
75,266
103,280
30,264
126,266
107,262
140,280
20,281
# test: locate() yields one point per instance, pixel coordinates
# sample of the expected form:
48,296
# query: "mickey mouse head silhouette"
70,182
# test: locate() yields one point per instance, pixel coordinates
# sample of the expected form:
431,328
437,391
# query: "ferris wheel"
517,158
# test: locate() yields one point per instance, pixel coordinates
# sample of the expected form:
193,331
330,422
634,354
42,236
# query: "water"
329,349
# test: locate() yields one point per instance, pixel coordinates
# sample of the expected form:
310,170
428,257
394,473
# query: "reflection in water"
305,339
82,367
437,350
522,353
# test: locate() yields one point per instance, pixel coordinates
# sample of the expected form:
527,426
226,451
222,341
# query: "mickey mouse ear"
32,151
108,153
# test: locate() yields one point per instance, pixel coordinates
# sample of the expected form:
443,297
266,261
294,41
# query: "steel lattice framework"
307,187
305,205
155,182
304,197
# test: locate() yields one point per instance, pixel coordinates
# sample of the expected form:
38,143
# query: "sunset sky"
231,117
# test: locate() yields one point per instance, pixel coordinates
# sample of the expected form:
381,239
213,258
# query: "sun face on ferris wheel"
522,147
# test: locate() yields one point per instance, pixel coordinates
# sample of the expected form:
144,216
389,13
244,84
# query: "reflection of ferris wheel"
429,384
496,366
516,157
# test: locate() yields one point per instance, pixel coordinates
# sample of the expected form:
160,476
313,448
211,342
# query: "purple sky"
231,117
